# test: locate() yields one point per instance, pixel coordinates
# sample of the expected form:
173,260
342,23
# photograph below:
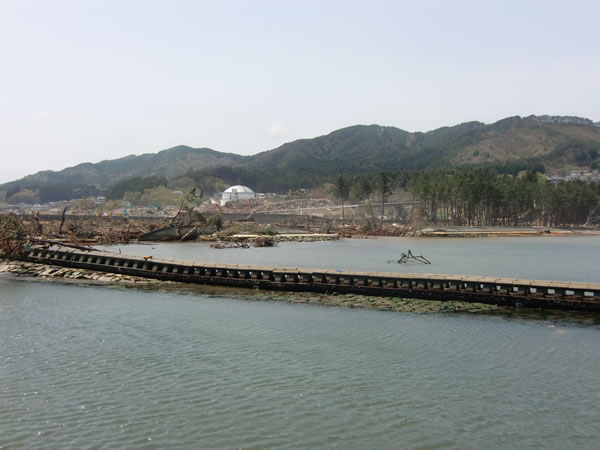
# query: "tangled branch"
13,236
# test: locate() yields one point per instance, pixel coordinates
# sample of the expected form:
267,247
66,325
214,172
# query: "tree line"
477,197
471,196
134,184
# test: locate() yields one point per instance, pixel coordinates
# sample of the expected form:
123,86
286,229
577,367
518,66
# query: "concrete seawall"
498,291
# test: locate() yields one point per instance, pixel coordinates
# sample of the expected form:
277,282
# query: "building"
235,193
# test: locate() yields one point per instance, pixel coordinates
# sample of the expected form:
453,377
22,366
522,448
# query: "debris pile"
264,241
409,257
13,236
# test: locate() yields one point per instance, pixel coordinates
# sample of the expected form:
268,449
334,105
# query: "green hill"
168,163
94,178
556,143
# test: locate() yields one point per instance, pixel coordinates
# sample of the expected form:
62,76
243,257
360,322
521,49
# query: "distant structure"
237,192
576,175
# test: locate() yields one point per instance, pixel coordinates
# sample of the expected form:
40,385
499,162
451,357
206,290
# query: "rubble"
42,271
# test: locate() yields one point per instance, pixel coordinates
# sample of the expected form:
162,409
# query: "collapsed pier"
498,291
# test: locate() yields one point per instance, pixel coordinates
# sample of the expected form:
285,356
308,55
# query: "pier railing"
502,291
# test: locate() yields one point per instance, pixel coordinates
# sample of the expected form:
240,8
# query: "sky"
88,80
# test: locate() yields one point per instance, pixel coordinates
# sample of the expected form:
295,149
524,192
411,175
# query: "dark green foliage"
268,232
58,192
12,189
482,197
508,146
364,186
260,180
383,184
136,184
216,220
511,167
341,191
356,149
369,149
55,192
169,163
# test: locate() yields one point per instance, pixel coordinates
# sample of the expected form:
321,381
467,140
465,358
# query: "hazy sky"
91,80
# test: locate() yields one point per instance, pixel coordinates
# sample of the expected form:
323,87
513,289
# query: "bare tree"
342,189
384,188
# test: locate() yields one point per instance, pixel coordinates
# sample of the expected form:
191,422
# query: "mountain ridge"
556,142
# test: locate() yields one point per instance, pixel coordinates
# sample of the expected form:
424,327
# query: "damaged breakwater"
496,291
46,272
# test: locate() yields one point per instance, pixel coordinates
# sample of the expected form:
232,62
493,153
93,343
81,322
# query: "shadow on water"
552,316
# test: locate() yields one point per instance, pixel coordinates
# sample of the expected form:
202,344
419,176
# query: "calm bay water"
99,367
558,258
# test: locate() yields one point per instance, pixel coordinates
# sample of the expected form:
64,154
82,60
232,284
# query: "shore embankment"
479,231
441,287
49,273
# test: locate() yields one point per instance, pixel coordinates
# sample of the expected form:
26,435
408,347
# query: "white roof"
238,189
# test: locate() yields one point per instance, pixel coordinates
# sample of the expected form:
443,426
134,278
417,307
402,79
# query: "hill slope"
168,163
556,142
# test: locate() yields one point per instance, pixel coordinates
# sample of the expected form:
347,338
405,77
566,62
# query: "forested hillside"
543,143
87,179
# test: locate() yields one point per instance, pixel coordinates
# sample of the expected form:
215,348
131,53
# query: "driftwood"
591,221
62,222
249,218
230,244
409,257
178,213
187,235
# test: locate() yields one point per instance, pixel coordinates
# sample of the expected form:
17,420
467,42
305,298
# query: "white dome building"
237,192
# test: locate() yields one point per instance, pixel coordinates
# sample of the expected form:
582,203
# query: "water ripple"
83,369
